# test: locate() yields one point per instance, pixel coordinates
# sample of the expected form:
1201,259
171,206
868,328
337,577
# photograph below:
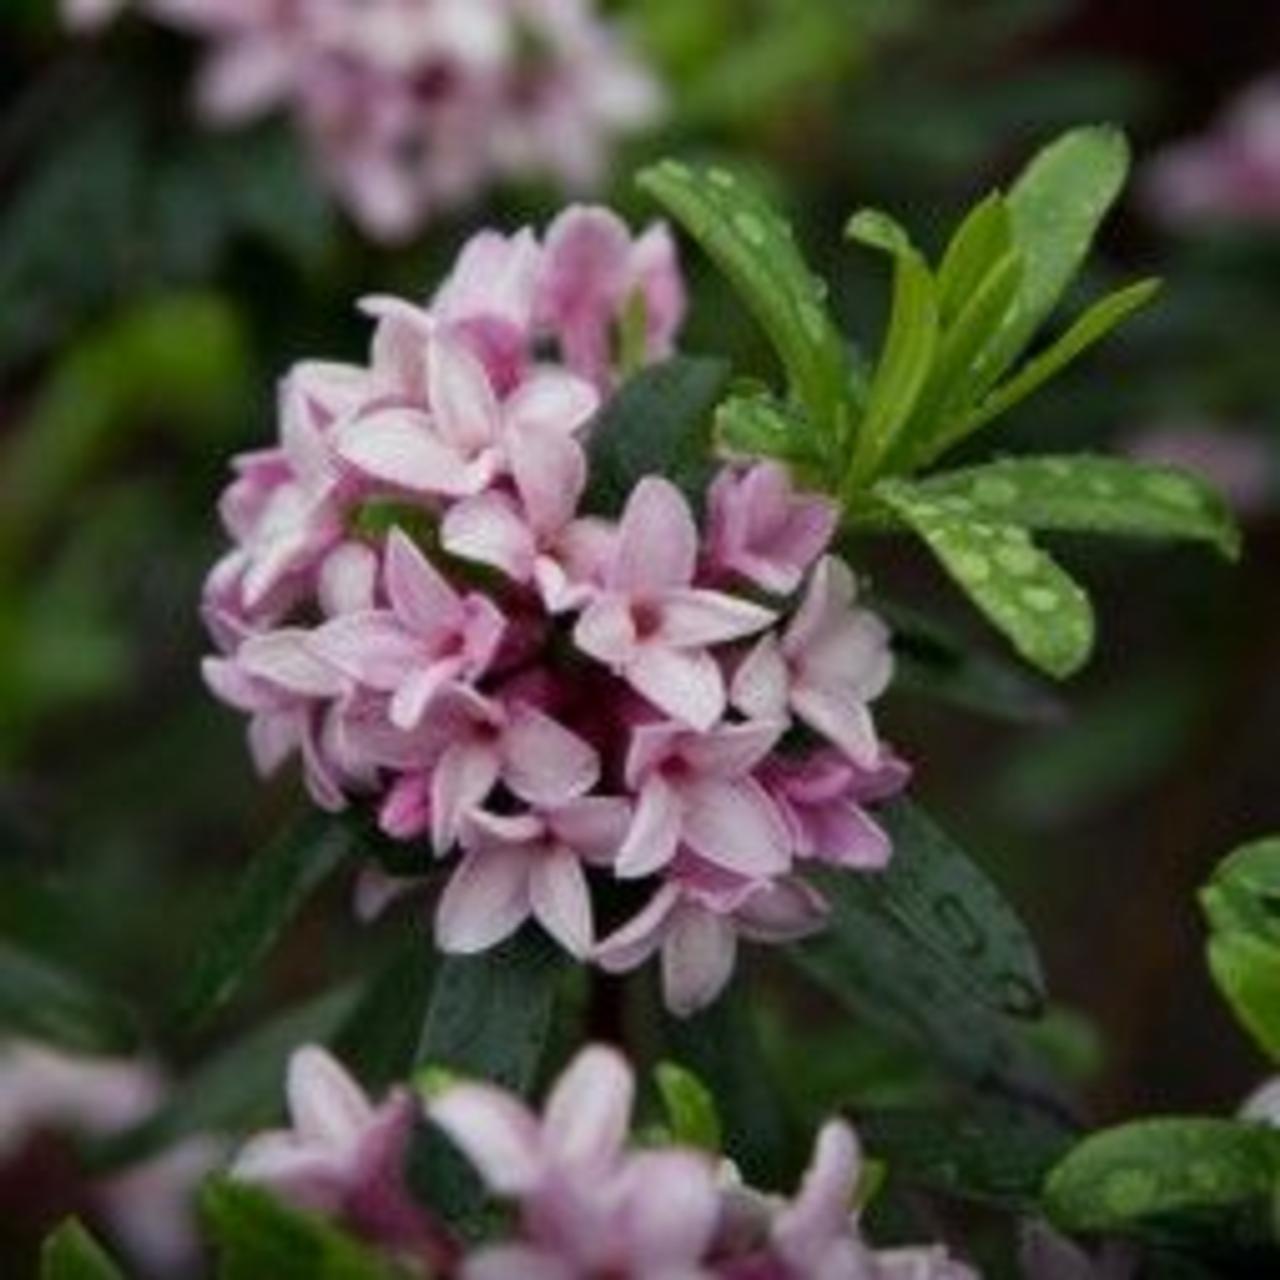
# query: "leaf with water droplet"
1028,596
751,244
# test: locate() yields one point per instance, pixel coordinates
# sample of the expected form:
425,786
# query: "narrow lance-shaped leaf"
982,240
906,357
1098,321
45,1002
756,250
1195,1176
269,896
1085,493
1035,603
659,422
1057,205
71,1253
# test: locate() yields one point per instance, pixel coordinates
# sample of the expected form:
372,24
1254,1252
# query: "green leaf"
71,1253
272,892
1170,1177
1084,493
692,1115
988,1150
1056,206
44,1002
1098,321
1034,602
659,423
758,426
1242,903
258,1237
722,1045
981,242
906,357
238,1089
756,250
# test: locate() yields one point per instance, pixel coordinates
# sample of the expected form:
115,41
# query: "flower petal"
654,834
692,619
588,1112
289,658
673,1209
632,943
550,402
841,718
326,1104
463,405
463,778
687,685
372,647
485,901
543,762
400,448
489,529
657,546
561,901
698,956
736,826
421,597
498,1135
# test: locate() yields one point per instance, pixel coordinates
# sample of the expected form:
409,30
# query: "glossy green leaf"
71,1253
659,423
761,427
1193,1176
756,250
907,354
256,1237
270,894
1098,321
1243,895
1246,970
1085,493
693,1119
982,241
989,1150
42,1001
1056,206
1034,602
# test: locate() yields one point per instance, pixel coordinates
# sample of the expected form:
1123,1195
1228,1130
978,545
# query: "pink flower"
650,625
694,921
529,865
594,273
761,529
696,789
832,660
821,799
430,636
537,539
46,1093
344,1157
588,1205
1241,464
458,443
86,16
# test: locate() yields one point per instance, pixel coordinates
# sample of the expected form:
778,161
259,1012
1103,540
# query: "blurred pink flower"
1239,463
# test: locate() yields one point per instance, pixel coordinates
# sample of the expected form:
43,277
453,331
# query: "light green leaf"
45,1002
981,242
1246,969
906,357
659,423
693,1118
1098,321
758,426
756,250
1057,205
71,1253
1034,602
1086,493
259,1237
1193,1176
270,894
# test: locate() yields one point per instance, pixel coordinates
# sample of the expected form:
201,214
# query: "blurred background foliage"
155,278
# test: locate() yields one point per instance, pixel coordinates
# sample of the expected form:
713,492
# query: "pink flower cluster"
49,1097
413,106
1231,174
589,1203
417,605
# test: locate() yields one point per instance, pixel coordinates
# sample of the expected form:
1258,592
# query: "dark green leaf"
1098,321
1088,494
257,1237
1020,588
1057,205
988,1150
693,1118
907,354
71,1253
266,900
756,250
1170,1177
722,1044
659,423
44,1002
